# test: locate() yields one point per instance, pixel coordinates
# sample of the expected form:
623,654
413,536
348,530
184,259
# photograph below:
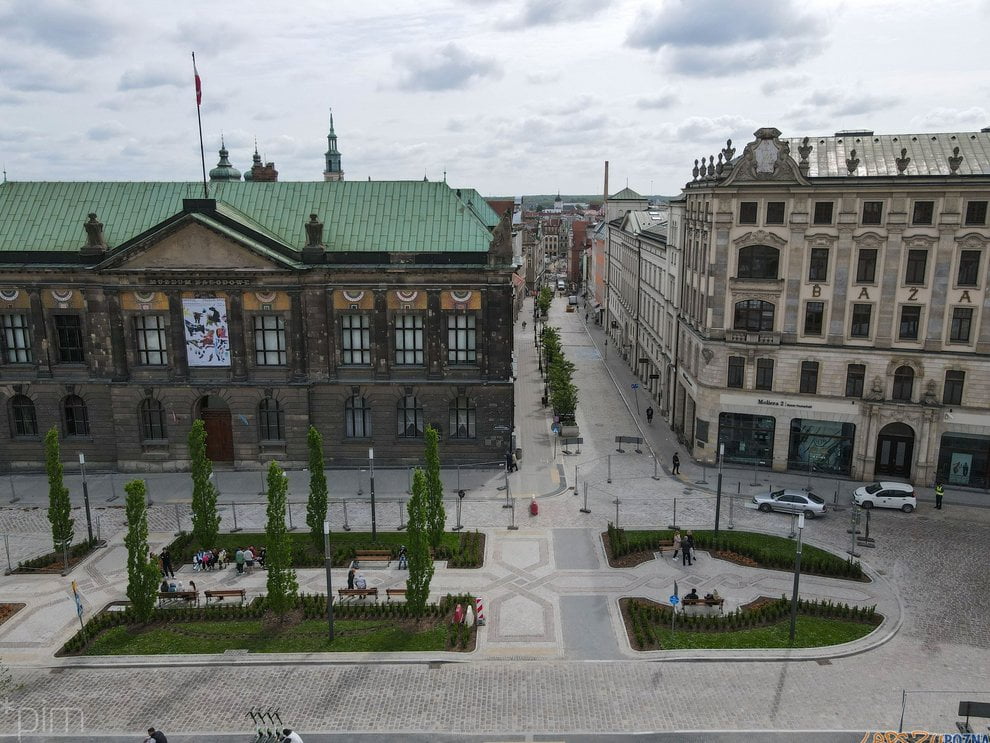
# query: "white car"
886,495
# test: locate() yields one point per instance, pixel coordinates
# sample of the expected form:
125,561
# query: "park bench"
372,556
390,592
221,594
362,592
191,596
703,606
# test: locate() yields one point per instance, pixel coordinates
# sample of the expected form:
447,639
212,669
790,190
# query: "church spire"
332,156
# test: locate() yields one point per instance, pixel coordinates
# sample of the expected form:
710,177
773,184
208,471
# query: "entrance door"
895,448
219,434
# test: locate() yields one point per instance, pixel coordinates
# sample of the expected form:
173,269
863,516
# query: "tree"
420,560
316,507
544,299
282,585
436,515
205,519
142,573
59,507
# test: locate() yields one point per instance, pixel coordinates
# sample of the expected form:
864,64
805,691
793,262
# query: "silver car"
791,501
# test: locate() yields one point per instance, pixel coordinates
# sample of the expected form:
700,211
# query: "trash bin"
519,453
534,508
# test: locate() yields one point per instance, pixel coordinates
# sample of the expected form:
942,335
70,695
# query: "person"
677,544
403,557
158,559
939,492
713,596
167,563
290,737
524,324
249,557
515,463
262,553
649,415
155,736
360,583
239,560
223,559
675,468
693,596
687,546
350,578
163,588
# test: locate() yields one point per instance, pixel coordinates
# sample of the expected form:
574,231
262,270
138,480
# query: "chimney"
264,173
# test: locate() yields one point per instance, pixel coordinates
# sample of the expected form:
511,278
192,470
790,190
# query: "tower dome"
255,163
224,171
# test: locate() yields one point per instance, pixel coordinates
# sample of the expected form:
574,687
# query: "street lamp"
326,561
89,520
371,467
797,575
718,490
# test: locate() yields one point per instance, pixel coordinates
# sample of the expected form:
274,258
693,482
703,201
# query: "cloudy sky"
507,96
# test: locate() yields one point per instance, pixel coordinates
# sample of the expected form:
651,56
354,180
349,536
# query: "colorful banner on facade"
207,338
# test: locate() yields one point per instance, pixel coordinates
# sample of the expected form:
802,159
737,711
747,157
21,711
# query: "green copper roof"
360,216
627,193
481,207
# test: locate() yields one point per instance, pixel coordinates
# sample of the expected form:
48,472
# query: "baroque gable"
766,158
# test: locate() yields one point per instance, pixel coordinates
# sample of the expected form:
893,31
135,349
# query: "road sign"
500,428
654,376
644,361
634,386
674,601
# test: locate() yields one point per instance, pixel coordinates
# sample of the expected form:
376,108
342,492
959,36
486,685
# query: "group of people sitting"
693,596
176,586
210,559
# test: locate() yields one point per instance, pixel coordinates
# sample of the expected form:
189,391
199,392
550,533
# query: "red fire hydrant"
534,508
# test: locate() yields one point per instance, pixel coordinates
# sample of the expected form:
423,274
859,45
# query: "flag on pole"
199,84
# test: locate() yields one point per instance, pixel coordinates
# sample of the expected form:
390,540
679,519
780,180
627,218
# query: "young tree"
316,507
282,585
205,519
59,507
436,515
420,560
142,573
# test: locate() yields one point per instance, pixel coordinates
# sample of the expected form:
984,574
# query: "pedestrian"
675,468
167,563
687,548
239,561
939,492
291,737
155,736
649,415
403,557
677,544
157,559
350,578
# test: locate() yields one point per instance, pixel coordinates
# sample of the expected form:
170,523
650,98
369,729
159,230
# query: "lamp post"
797,575
718,489
89,520
371,467
326,561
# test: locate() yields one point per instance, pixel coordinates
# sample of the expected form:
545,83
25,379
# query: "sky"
506,96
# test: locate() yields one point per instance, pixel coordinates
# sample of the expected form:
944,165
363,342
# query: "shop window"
823,212
821,446
809,377
917,265
76,416
462,415
775,212
737,372
758,262
969,268
746,438
952,392
818,265
814,315
964,459
357,418
861,315
866,266
764,374
924,212
753,315
910,322
961,324
855,379
903,389
976,213
747,212
271,420
872,212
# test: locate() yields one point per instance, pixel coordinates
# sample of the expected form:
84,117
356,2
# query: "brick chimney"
266,172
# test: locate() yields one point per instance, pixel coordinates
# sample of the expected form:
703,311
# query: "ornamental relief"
821,241
919,242
972,241
868,240
760,237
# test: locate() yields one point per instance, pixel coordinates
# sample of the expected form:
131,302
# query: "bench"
192,596
372,556
362,592
221,594
703,606
390,592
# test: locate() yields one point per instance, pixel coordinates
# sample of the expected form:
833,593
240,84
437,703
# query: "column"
235,325
177,337
432,328
840,283
118,345
297,345
39,336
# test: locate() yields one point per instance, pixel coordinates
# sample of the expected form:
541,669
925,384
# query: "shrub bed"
54,562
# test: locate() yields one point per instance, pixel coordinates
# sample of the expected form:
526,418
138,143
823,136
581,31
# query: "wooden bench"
704,604
390,592
192,596
362,592
373,556
221,594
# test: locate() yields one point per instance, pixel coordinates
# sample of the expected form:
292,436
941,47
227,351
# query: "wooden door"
219,436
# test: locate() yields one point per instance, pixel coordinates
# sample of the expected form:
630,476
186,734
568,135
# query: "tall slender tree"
436,515
205,518
142,573
282,585
59,507
420,560
316,507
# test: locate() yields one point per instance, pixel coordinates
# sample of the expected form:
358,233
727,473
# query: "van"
561,285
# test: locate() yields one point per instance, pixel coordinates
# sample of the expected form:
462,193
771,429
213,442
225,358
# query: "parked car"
791,501
886,495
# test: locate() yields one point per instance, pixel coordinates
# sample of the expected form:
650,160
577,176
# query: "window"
855,379
764,374
747,212
152,419
969,268
866,266
809,377
814,314
872,212
753,315
410,417
17,340
357,418
355,339
818,265
823,212
775,212
76,416
151,340
25,418
962,321
861,320
408,339
68,339
953,390
461,344
903,384
917,263
271,420
910,320
924,211
976,212
269,340
461,418
737,372
758,262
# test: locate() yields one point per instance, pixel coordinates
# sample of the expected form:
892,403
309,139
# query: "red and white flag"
199,84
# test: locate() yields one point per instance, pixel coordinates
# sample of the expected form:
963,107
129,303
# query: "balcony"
768,338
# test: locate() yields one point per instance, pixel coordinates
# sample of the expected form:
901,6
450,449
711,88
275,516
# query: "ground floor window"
964,459
746,437
825,446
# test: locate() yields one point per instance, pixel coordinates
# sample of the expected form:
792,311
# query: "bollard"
512,515
233,508
793,521
616,502
178,521
99,531
732,502
674,524
6,547
402,516
346,526
585,509
288,507
610,468
656,467
113,489
409,472
756,474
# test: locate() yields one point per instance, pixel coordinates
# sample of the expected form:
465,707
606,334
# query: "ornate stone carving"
314,232
760,237
920,242
729,150
766,158
711,166
852,162
96,244
876,390
868,240
929,397
805,148
902,162
694,171
821,240
972,241
955,160
719,165
707,354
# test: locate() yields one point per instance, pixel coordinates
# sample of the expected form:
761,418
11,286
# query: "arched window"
462,418
152,420
903,384
25,419
758,262
271,420
76,416
410,417
357,418
753,315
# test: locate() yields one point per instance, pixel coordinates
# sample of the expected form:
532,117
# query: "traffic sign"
674,601
634,386
654,376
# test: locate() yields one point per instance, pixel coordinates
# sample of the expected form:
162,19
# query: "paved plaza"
553,661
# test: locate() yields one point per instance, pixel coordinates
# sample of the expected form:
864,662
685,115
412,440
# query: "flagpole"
199,120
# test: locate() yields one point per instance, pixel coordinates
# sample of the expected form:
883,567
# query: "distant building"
333,170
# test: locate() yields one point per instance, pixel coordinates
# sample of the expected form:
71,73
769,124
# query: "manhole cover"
823,662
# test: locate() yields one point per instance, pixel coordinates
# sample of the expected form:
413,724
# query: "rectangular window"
17,340
976,212
269,340
814,314
355,339
747,212
917,264
151,340
953,391
924,212
809,377
969,268
866,266
855,377
409,340
68,339
861,320
962,322
461,339
818,265
823,212
775,212
764,374
910,321
737,372
872,212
